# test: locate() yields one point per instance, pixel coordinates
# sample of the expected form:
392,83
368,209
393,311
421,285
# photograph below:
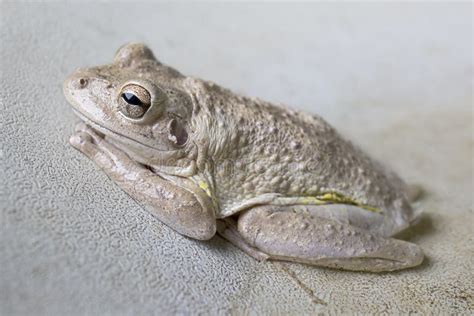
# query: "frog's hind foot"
284,233
227,229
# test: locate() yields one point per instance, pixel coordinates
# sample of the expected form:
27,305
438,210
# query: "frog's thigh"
288,234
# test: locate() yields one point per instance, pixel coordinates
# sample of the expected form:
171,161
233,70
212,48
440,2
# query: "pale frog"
277,183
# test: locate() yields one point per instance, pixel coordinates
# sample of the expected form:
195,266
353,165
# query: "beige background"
397,79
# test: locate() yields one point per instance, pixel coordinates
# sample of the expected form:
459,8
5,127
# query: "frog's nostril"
82,83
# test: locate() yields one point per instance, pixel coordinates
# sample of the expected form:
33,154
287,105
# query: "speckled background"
395,78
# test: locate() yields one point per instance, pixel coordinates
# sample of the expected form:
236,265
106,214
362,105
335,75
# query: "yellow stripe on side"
328,198
205,187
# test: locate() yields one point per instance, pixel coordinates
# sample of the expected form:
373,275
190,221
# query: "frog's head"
139,104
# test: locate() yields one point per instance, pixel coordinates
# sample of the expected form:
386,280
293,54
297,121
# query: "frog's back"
261,149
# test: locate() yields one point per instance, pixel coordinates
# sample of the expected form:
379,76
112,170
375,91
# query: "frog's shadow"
422,227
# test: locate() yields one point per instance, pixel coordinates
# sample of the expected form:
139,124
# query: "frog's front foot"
188,213
109,158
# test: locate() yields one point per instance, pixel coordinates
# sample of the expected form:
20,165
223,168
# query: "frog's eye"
134,101
133,52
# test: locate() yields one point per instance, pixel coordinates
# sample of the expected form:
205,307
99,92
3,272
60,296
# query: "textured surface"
396,79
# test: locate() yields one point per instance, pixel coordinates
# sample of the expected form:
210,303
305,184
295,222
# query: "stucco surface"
394,78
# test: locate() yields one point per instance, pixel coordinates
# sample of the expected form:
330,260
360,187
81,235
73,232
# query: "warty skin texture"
278,183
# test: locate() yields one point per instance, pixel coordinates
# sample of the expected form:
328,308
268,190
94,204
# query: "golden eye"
134,101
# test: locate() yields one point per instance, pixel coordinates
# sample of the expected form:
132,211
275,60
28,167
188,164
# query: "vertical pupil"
130,98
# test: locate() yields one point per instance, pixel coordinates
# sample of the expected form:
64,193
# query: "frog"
278,183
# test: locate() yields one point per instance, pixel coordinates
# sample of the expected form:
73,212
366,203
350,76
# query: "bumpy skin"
278,183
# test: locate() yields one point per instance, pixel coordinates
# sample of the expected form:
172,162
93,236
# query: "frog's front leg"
188,213
295,234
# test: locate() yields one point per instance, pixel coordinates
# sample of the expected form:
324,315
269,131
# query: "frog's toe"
94,134
79,139
85,143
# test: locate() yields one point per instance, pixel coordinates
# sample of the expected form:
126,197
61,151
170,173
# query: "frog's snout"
79,83
86,84
81,86
79,79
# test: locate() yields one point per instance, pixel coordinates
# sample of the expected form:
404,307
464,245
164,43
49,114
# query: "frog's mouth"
153,158
113,134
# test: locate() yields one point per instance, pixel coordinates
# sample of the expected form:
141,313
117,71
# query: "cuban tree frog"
277,183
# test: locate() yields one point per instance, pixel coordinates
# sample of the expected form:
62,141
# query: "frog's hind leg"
290,233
